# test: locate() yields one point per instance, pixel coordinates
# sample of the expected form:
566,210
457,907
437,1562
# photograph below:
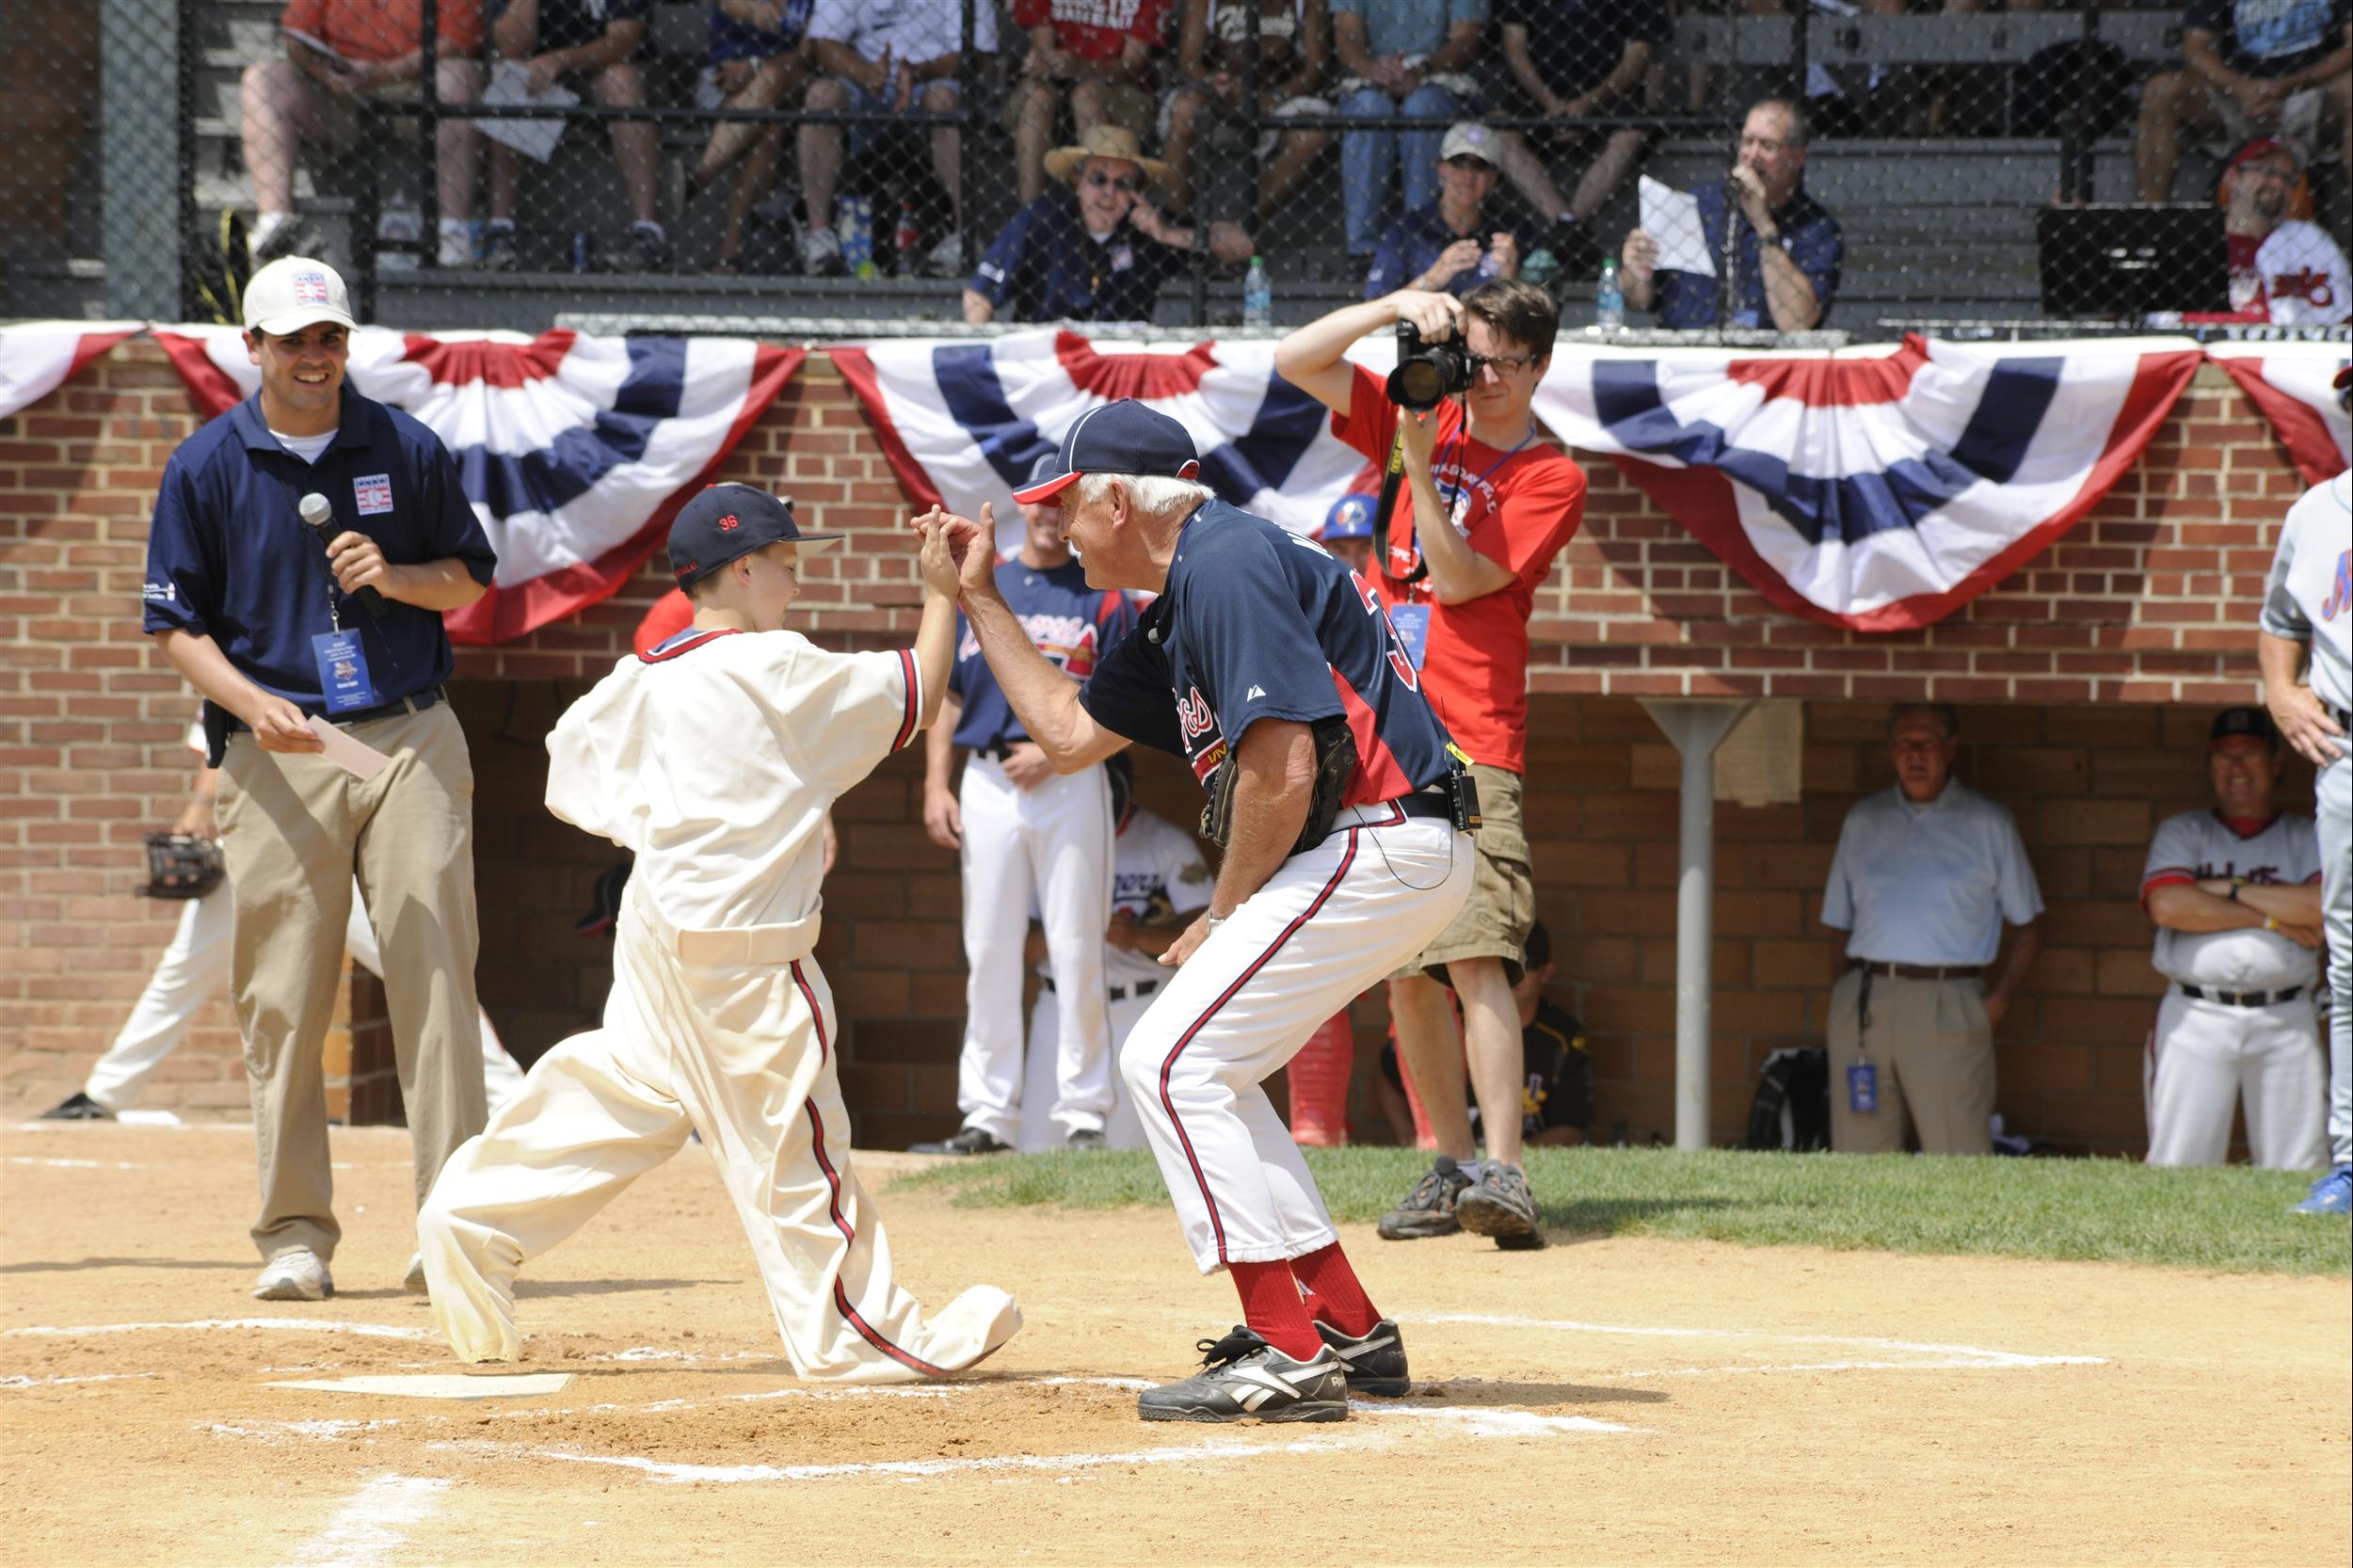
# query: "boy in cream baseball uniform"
715,758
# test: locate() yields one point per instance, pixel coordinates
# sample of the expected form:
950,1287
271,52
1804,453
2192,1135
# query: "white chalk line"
295,1325
20,1381
78,1164
1941,1357
374,1524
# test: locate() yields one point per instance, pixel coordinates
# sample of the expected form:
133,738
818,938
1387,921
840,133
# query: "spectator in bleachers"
1096,251
883,56
1100,57
1294,48
757,58
1789,248
339,52
2250,68
1454,243
1572,60
2284,269
1402,57
551,39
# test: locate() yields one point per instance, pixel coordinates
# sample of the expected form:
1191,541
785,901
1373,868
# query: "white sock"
454,225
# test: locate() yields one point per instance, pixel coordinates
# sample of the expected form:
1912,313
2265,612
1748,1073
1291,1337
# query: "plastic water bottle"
853,220
904,239
1610,299
1257,295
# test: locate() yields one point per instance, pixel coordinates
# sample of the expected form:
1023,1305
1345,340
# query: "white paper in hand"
1671,217
357,758
510,84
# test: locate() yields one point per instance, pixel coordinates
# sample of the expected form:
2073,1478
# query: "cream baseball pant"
2204,1054
195,968
1040,1071
295,831
1050,847
2333,791
731,1033
1330,923
1932,1046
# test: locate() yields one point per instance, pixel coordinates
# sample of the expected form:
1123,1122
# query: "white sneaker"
414,1281
457,247
297,1275
946,259
820,252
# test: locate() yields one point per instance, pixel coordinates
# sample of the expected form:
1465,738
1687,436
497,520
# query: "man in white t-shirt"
2235,893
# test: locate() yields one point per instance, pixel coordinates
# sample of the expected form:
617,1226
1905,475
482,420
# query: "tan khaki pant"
295,830
1933,1048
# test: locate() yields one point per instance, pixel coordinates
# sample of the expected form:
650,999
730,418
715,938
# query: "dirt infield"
1613,1401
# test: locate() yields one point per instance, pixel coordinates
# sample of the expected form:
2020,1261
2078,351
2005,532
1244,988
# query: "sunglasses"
1470,165
1125,182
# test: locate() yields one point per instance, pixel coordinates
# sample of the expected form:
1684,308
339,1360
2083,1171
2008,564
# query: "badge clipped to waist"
343,672
1862,1088
1412,624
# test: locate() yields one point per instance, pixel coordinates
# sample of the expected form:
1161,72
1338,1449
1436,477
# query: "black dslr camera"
1428,374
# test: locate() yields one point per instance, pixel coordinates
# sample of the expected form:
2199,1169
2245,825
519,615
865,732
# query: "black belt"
1423,804
1117,993
2343,719
2240,998
1917,971
415,702
997,753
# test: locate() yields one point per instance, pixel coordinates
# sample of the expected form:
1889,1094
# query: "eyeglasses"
1123,183
1505,364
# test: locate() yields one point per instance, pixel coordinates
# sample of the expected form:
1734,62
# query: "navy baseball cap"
1351,517
727,520
2243,720
1125,436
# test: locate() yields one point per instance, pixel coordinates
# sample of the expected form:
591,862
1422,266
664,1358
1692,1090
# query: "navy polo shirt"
1258,623
1044,266
229,557
1420,237
1687,300
1067,622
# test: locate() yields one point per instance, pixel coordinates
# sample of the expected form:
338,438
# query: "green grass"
2230,1219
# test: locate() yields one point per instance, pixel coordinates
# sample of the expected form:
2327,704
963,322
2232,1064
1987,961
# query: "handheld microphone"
320,515
1727,281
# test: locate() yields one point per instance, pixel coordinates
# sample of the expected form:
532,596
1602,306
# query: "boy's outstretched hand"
935,558
971,544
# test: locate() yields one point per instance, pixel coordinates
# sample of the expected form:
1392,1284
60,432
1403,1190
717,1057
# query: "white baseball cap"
1468,139
295,292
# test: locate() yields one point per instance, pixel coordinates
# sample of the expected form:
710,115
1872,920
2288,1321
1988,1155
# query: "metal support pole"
1697,729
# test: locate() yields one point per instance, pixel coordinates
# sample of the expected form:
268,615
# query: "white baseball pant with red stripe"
731,1032
1330,923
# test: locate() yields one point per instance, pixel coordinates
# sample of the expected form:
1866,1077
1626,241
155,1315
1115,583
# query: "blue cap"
1125,436
1351,517
727,520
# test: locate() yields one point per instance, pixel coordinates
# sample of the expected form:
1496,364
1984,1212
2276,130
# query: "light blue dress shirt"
1928,884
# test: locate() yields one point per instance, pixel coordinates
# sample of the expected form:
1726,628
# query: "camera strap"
1392,477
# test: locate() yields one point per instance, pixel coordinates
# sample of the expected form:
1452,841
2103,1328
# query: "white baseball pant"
731,1032
2335,792
1051,846
1331,922
1040,1071
195,969
2203,1055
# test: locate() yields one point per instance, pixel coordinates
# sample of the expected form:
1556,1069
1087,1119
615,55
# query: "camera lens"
1418,384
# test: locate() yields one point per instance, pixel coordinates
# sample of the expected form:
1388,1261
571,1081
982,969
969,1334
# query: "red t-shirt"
1096,29
1517,510
373,31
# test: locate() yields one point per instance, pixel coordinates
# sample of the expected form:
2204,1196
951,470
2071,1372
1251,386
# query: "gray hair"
1941,711
1801,126
1155,493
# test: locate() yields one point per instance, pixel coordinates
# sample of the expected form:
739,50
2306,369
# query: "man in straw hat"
1095,251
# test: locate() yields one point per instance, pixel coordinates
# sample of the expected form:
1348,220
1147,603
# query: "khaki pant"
1932,1046
295,829
1496,921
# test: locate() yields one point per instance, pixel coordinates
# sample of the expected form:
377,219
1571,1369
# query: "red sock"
1271,1305
1340,1299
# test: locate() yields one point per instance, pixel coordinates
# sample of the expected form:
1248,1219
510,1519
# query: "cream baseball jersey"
2199,845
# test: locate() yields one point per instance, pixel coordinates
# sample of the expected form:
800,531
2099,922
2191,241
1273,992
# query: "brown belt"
1917,971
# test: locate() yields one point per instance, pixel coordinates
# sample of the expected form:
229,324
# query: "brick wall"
2085,679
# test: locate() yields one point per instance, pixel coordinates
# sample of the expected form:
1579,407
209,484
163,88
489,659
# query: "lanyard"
1454,493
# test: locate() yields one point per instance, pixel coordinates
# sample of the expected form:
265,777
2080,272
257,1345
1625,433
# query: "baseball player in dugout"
714,760
2235,893
1926,872
1345,824
1028,835
1458,594
2305,645
292,641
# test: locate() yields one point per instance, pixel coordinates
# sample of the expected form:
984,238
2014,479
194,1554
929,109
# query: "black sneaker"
1376,1363
972,1140
499,252
77,1106
1087,1139
1429,1209
1500,1205
1245,1379
297,236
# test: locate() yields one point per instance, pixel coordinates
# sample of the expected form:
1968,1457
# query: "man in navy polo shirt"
285,636
1270,669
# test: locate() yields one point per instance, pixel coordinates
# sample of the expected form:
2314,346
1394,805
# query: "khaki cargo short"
1129,105
1494,923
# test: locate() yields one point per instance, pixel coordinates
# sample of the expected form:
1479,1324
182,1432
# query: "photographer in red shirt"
1459,593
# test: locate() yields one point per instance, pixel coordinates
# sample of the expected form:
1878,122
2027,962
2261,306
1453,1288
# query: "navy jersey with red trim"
1072,624
1258,623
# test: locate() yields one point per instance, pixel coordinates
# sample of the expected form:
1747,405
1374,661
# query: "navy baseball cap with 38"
1122,437
728,521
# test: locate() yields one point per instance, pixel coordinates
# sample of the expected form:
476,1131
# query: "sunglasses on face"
1469,165
1126,184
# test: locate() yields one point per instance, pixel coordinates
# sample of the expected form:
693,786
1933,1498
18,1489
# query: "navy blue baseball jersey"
1258,623
1070,623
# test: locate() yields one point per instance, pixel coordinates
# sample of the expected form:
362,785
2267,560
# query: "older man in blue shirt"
1925,875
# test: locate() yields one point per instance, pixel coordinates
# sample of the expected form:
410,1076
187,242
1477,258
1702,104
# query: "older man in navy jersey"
1270,667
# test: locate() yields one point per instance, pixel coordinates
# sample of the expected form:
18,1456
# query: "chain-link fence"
1778,165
